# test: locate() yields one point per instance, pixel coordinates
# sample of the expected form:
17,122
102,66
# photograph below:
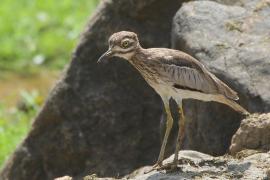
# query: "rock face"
254,133
102,119
233,42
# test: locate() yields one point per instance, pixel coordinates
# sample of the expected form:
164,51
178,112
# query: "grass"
12,131
34,35
15,122
40,33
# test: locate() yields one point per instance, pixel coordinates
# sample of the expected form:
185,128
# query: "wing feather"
185,71
189,78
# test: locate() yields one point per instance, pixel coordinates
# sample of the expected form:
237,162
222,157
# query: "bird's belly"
187,94
163,89
169,91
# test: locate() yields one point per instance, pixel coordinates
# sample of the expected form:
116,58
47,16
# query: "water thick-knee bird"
172,74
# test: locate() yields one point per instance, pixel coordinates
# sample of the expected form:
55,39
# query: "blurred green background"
37,38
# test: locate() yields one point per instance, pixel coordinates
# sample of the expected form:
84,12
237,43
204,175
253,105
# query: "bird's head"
121,44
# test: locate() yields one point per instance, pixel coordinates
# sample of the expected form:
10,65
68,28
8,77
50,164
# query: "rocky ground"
195,165
202,166
243,163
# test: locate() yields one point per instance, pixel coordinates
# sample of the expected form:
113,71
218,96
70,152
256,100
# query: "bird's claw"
155,167
169,167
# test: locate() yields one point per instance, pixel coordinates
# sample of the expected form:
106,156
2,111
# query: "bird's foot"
169,167
154,167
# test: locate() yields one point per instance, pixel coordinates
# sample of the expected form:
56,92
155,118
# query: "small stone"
64,178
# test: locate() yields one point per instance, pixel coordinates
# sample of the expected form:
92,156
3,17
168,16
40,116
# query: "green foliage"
15,122
38,32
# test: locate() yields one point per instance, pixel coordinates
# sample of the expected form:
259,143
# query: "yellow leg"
169,124
181,133
179,141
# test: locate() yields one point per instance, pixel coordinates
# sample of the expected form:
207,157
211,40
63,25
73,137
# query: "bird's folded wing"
188,73
187,78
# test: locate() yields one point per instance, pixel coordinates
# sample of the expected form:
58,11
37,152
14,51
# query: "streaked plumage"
173,74
182,76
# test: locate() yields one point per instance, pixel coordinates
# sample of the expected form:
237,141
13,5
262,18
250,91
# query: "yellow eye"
125,44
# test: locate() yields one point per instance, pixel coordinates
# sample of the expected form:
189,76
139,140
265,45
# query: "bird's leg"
169,124
179,141
181,133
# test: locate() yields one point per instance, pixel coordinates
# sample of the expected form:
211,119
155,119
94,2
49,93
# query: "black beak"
105,56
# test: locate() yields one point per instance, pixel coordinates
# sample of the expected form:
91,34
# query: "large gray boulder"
233,42
102,119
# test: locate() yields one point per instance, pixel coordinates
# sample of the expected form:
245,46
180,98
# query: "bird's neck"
139,60
144,65
138,56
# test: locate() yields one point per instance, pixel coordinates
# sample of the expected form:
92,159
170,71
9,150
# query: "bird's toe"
154,168
169,167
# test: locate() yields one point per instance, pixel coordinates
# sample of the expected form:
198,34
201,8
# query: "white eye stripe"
124,55
120,49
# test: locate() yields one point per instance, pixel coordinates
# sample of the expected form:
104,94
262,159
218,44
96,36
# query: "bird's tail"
224,89
233,105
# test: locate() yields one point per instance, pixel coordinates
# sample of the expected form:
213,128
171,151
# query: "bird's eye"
125,44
